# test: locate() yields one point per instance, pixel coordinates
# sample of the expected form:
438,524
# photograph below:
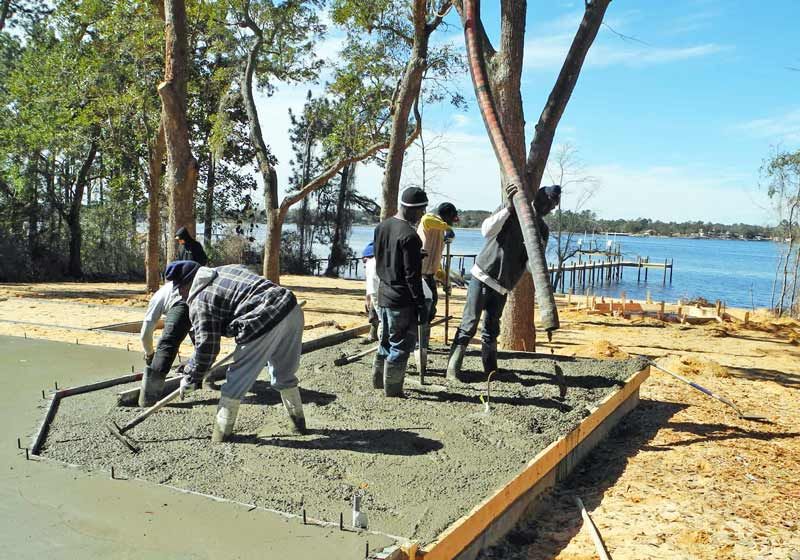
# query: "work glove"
190,380
511,190
148,358
449,235
440,275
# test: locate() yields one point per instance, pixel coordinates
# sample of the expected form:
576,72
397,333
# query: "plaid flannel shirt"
235,303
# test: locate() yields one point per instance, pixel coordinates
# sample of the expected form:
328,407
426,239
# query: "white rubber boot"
294,406
227,411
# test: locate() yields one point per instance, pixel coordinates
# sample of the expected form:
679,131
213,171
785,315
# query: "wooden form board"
460,534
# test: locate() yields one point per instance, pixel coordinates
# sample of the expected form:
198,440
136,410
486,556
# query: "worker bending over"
497,269
434,229
165,302
266,323
401,300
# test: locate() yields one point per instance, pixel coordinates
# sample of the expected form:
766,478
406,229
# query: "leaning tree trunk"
155,160
407,93
181,175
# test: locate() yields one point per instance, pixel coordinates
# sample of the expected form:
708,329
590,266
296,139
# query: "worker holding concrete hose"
434,228
401,300
498,267
266,323
165,302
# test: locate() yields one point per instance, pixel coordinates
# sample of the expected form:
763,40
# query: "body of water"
738,272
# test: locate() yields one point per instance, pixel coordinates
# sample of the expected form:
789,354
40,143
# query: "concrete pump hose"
525,211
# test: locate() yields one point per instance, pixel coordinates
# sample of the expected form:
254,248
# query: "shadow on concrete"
556,520
383,441
791,380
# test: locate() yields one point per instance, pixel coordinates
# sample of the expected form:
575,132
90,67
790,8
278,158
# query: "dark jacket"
503,257
191,249
398,263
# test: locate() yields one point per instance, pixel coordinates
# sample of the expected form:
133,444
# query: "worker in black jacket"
190,249
497,269
401,300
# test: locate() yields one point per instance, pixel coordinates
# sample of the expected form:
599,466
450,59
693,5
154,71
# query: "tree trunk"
180,178
208,214
275,217
338,256
33,209
407,93
155,160
5,7
73,218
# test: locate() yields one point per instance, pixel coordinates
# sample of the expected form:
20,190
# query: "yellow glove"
440,275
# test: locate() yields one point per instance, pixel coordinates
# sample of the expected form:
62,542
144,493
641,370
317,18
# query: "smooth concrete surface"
48,511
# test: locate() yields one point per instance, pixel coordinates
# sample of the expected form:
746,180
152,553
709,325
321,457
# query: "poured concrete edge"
493,518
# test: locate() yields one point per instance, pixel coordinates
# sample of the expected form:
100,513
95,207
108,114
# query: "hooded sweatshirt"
231,301
191,250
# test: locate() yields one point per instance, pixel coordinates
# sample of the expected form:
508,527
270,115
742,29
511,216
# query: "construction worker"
371,283
401,300
190,249
497,269
165,302
434,228
266,323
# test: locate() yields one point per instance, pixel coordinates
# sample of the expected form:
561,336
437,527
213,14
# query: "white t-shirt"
161,302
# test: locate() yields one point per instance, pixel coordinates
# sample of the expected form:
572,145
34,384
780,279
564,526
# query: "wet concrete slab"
47,510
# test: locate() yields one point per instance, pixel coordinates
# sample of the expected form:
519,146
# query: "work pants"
176,327
279,350
481,299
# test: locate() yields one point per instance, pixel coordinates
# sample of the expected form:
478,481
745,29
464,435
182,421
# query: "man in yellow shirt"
434,228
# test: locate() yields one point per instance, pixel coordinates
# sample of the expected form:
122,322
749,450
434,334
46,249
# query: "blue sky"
673,125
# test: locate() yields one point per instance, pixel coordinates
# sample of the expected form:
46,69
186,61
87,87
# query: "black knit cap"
446,209
413,197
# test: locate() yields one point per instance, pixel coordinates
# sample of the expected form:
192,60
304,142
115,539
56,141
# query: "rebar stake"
341,521
19,443
27,456
366,550
112,472
43,394
55,383
304,516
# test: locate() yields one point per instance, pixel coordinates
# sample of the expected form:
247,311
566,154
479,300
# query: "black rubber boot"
377,372
456,359
393,377
489,357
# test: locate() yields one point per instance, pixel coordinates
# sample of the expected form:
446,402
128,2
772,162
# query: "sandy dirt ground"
682,477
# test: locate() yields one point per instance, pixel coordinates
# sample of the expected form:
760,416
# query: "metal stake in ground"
702,389
598,540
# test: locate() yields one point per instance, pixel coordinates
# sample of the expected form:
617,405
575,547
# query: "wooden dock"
582,273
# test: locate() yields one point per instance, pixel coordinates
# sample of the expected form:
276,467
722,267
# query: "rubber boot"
456,359
227,411
394,374
489,357
377,371
294,406
152,387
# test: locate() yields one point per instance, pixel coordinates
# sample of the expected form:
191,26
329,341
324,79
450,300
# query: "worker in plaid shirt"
266,323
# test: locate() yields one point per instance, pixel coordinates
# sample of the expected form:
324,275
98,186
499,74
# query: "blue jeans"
481,300
398,333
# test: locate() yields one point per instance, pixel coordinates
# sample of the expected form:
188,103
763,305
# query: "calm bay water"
738,272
